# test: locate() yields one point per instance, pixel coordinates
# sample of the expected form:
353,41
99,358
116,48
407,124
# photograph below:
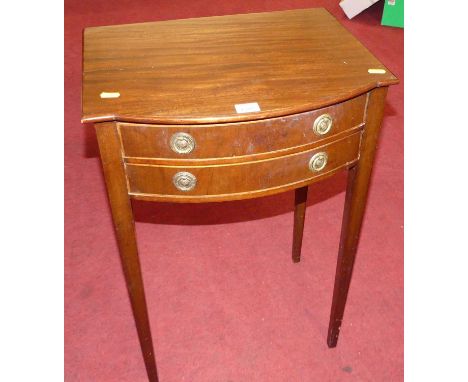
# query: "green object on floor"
393,13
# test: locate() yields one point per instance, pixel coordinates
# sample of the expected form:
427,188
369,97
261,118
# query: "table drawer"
259,177
240,139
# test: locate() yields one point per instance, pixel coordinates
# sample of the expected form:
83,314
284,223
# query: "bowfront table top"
197,70
232,107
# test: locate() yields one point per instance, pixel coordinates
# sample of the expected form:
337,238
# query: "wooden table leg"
356,195
114,173
300,202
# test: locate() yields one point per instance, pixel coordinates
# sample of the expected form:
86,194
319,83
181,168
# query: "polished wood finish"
242,158
355,202
241,139
196,70
186,76
122,215
300,202
242,180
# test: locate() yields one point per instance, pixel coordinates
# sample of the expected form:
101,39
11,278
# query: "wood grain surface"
300,205
355,204
195,71
122,216
240,181
243,138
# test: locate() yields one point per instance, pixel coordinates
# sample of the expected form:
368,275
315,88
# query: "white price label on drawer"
247,107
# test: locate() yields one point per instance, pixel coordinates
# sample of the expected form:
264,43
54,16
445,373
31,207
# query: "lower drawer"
230,181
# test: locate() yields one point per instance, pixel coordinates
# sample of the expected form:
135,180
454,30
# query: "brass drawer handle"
318,161
184,181
323,124
182,143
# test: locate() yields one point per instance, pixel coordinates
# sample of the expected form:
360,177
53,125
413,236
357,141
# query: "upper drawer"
240,139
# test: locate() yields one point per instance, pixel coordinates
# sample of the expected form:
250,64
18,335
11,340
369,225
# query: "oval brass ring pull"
182,143
318,161
184,181
323,124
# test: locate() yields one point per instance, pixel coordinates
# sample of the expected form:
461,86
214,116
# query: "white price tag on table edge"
247,107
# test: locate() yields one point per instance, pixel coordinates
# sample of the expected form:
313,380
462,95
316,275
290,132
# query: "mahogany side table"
232,107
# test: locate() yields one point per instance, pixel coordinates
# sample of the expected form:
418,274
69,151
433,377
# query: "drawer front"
240,139
259,177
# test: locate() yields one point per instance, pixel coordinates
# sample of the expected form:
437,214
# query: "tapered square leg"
355,202
300,202
122,215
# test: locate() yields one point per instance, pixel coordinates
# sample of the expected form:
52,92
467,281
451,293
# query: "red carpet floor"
225,300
